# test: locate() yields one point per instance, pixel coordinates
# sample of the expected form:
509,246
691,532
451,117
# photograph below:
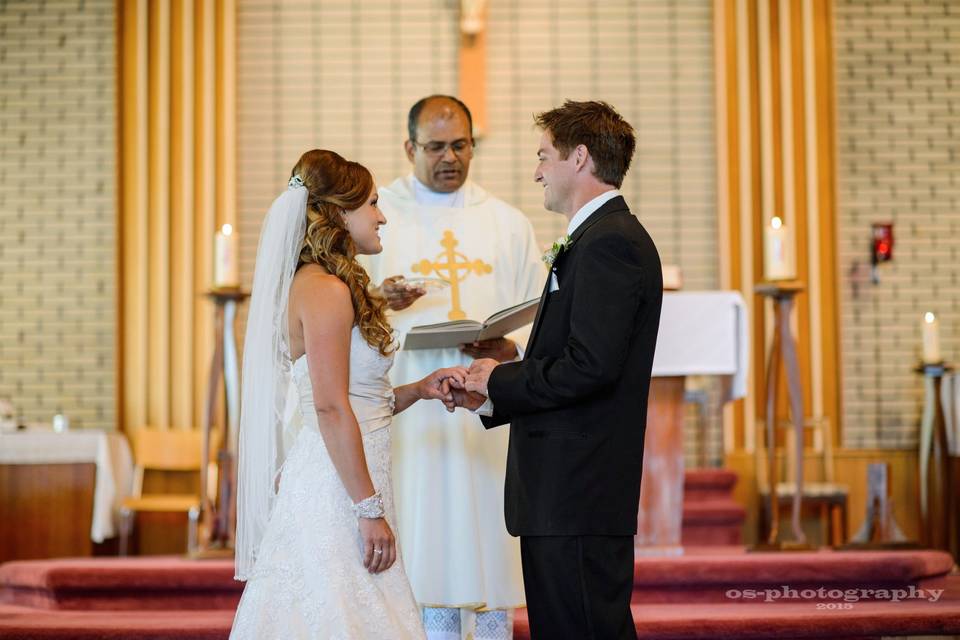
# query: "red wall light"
882,242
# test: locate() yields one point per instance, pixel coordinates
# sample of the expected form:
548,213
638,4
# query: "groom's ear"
409,149
581,157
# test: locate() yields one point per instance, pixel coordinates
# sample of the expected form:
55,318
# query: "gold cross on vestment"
453,268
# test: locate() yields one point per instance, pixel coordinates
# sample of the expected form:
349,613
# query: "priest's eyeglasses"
436,149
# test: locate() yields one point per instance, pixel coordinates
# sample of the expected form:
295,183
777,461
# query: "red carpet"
699,595
711,516
120,584
705,574
785,621
29,624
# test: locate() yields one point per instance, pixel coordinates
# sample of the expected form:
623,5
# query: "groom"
577,402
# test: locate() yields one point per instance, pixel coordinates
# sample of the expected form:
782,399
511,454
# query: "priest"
474,255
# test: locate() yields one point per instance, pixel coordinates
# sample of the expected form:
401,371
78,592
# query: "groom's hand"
460,397
500,349
479,375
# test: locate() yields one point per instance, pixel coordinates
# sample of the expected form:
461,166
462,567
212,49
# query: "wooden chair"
820,492
162,450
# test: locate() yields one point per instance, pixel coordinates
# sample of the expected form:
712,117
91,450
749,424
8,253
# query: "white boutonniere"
561,245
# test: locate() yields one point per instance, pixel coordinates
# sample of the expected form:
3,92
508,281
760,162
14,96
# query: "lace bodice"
371,393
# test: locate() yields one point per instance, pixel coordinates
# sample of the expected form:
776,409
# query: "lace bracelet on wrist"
371,507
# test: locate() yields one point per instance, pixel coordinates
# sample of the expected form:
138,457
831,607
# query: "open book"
457,332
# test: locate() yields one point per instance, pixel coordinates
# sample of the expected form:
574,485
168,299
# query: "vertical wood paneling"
781,102
182,294
825,172
157,214
182,156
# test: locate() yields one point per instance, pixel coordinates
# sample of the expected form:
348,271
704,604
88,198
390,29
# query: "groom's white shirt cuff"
486,409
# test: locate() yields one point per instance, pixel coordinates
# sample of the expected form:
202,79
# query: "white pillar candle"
225,268
779,262
931,339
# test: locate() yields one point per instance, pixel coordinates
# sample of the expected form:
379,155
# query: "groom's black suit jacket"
577,402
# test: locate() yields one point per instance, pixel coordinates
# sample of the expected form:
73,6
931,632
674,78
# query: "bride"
315,543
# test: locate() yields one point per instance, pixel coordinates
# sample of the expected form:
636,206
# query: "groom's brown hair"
607,136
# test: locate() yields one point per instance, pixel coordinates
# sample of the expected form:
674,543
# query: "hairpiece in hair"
295,182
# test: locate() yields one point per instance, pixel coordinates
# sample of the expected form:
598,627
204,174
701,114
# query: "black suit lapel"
614,204
536,319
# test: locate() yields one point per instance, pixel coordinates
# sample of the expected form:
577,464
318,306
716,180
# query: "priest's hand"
399,295
479,375
499,349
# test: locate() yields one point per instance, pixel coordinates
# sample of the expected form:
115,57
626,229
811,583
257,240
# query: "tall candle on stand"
931,339
225,267
779,262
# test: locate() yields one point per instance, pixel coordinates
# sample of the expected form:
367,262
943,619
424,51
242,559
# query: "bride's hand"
379,545
436,386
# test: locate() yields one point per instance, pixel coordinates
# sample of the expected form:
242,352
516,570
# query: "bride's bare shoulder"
313,286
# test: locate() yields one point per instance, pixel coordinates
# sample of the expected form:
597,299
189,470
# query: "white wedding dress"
309,580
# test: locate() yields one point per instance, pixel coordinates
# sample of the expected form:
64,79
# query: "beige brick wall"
898,124
57,209
343,75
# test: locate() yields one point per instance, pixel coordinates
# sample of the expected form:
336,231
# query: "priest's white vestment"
448,471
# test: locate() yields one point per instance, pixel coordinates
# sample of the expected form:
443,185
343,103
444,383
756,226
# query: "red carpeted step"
711,516
712,522
688,596
705,575
785,621
23,623
701,575
120,584
708,483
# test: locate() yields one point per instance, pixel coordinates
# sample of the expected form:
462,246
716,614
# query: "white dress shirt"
579,218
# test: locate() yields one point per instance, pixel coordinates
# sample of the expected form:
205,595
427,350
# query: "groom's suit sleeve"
607,293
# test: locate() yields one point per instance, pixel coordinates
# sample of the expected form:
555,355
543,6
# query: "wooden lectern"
660,518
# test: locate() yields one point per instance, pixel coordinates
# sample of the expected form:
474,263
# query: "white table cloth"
704,333
108,451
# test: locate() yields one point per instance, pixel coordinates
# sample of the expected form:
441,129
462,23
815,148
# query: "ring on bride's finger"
378,550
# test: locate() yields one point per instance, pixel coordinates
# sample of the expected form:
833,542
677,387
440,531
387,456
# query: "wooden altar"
701,333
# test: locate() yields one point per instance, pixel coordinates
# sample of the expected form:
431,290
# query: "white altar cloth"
108,451
704,333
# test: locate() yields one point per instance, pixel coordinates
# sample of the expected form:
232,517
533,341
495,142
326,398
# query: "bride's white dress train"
309,580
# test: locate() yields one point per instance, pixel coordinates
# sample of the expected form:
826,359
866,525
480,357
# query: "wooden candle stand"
783,347
218,517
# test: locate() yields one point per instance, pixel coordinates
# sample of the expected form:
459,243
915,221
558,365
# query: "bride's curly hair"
335,185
